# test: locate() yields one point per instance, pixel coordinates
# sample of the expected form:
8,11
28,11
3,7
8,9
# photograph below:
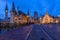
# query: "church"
18,17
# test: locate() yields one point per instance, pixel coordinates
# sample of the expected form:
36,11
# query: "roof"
21,13
49,15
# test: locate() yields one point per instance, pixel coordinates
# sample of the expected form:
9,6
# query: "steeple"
6,9
12,14
6,13
13,7
35,14
46,13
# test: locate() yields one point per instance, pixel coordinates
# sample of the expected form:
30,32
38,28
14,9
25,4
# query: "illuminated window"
15,19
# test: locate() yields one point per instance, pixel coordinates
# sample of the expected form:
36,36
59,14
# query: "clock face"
6,10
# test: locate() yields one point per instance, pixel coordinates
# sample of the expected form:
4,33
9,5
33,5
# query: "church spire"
13,7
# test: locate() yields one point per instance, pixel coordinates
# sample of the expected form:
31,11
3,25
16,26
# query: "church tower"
35,15
12,12
28,17
6,13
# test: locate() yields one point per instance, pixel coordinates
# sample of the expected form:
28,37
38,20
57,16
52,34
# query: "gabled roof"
48,15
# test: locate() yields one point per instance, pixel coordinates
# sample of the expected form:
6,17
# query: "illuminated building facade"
49,19
28,17
20,17
46,19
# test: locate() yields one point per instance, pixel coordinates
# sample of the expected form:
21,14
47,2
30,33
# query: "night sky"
41,6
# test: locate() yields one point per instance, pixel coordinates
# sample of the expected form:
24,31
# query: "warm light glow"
57,21
46,19
27,16
24,20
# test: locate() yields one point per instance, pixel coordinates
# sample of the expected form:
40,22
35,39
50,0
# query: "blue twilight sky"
41,6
